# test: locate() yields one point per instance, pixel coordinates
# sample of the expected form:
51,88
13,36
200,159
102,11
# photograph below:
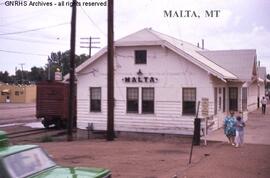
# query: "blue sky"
242,24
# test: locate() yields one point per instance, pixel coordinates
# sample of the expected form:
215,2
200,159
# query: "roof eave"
198,63
137,43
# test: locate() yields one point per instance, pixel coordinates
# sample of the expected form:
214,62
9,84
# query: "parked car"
31,161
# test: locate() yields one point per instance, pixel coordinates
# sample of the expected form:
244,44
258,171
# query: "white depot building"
159,81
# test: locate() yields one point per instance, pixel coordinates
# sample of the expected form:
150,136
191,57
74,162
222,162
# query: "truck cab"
31,161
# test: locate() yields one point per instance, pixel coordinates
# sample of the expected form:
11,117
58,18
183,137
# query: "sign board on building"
140,79
58,75
205,107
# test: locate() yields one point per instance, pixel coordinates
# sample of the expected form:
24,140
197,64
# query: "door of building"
233,98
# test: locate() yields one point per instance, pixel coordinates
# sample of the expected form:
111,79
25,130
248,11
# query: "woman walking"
240,124
229,127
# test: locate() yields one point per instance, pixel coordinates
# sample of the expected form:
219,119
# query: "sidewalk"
257,129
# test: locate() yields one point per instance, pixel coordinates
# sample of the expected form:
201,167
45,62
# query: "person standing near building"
229,127
239,126
263,102
8,99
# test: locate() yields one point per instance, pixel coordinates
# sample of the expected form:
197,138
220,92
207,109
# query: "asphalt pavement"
11,113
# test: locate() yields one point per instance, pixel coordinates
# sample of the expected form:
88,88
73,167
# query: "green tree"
4,77
22,77
61,60
37,74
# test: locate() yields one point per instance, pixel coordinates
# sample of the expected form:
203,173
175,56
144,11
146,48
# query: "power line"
42,42
22,14
31,30
93,21
19,52
20,19
89,43
32,41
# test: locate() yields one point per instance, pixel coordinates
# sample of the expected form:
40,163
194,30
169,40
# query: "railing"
206,123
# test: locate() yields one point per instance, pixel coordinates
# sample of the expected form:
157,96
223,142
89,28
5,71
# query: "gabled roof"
90,60
190,52
242,63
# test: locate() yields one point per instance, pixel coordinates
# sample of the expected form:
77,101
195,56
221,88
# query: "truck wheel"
58,123
64,124
45,123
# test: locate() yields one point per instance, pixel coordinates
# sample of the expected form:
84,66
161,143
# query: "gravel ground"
164,158
159,157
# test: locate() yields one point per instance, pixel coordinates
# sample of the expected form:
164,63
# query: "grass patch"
46,138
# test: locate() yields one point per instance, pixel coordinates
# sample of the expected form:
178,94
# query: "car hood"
77,172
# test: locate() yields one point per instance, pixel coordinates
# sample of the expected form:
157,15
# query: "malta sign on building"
140,79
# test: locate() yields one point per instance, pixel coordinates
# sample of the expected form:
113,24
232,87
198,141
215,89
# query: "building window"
148,100
244,99
224,99
219,103
215,101
132,100
233,96
17,93
95,99
189,101
140,57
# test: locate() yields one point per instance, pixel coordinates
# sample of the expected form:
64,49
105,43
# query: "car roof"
9,150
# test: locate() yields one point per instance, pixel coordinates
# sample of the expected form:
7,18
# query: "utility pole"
90,42
110,74
16,77
49,69
22,64
71,72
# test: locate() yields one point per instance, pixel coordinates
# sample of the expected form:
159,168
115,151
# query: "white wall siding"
252,96
173,73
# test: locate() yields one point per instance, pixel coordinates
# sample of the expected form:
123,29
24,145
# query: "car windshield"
28,162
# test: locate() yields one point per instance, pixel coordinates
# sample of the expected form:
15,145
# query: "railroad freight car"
52,103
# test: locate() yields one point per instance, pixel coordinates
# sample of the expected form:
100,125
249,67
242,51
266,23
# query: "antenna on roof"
202,43
198,45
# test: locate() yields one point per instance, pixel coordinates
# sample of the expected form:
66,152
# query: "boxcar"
52,103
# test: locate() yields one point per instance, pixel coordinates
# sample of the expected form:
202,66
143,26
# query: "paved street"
256,131
17,113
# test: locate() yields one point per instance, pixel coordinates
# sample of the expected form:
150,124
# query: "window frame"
127,100
244,98
224,99
92,109
184,102
215,100
138,56
233,103
144,100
